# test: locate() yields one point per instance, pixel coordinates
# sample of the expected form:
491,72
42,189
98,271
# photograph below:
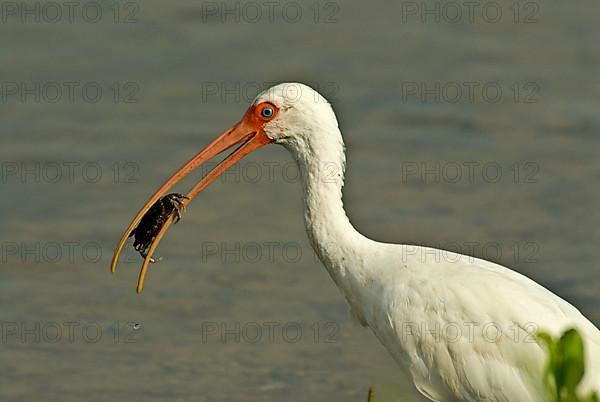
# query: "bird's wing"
465,327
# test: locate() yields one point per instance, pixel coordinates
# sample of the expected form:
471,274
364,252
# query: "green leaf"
565,366
571,369
545,337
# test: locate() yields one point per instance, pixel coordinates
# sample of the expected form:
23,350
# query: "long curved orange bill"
245,135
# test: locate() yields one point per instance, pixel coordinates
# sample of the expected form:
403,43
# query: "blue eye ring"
267,112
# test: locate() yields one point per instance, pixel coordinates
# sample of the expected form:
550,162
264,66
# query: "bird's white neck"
337,243
327,225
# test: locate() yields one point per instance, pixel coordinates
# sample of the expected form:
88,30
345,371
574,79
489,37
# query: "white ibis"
461,326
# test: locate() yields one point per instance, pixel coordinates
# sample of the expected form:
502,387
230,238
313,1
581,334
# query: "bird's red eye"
266,111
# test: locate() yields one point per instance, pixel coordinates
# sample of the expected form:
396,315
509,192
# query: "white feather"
461,326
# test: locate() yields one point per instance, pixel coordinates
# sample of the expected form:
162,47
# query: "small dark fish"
153,220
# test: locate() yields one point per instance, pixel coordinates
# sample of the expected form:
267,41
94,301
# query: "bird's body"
461,326
463,329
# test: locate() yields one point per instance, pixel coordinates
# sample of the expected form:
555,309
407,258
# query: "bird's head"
290,114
